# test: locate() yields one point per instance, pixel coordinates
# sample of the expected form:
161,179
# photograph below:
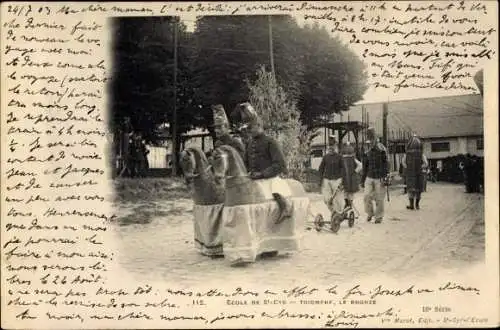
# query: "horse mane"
238,161
200,158
206,192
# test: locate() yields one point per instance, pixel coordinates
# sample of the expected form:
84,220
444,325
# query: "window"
317,153
480,144
440,146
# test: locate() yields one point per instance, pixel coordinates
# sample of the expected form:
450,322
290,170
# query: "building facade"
448,126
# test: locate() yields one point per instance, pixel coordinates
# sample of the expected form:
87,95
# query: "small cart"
349,213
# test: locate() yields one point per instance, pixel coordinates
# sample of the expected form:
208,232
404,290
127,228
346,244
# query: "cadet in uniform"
264,159
375,171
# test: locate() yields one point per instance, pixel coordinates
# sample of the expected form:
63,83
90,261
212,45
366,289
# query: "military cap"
248,113
220,117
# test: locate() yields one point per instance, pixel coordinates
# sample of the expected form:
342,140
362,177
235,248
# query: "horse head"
194,163
227,163
188,164
200,178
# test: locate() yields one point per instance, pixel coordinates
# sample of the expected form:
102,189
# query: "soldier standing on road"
330,175
350,167
221,127
375,172
414,161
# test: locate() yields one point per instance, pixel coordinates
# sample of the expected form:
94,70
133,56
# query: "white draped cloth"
250,230
207,229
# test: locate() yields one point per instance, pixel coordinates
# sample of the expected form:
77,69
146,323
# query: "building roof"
448,116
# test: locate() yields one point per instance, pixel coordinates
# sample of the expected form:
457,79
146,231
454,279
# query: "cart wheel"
352,216
319,222
335,223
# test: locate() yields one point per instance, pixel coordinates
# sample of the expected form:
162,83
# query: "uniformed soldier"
375,172
264,158
414,161
330,174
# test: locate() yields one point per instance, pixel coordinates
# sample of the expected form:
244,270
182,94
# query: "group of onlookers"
339,168
473,171
133,153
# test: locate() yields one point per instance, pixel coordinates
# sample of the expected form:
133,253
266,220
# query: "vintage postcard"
307,164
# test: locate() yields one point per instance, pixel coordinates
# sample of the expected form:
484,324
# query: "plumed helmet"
220,117
247,113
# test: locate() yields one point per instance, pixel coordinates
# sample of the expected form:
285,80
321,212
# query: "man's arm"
385,163
359,166
425,163
238,144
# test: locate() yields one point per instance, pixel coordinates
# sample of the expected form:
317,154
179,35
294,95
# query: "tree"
142,84
215,63
281,120
334,79
230,49
323,74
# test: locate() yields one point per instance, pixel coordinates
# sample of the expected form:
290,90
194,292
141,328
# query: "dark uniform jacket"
229,140
330,167
375,163
350,178
264,157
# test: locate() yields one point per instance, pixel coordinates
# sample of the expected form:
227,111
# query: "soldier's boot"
418,204
412,203
285,207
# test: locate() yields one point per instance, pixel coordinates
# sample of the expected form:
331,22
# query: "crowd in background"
473,173
132,153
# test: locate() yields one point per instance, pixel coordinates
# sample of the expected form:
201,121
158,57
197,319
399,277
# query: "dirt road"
448,232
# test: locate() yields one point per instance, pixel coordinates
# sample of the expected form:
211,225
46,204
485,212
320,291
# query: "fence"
159,157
